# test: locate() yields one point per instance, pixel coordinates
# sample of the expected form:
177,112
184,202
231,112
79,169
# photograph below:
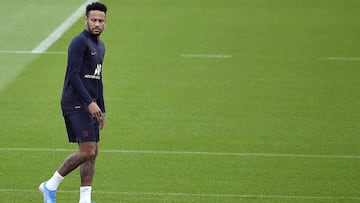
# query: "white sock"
54,182
85,194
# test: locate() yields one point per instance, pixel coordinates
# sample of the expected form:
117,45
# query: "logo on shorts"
84,133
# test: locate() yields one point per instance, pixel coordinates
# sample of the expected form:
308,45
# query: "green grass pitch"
207,101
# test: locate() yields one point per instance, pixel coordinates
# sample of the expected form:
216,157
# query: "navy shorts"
82,127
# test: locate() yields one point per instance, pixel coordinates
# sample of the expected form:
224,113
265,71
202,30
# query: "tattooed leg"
70,163
87,152
87,169
87,172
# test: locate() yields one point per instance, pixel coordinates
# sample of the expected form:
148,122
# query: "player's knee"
89,151
88,155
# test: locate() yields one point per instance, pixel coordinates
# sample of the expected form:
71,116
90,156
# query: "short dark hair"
95,6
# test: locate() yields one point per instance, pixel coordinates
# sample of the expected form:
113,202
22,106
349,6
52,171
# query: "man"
82,104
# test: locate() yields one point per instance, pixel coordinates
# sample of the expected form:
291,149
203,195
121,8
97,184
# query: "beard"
96,31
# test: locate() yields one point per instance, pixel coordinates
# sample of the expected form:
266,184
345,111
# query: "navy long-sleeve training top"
83,78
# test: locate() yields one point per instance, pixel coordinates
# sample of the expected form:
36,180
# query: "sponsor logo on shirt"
97,73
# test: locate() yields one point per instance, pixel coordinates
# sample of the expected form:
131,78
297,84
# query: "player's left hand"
101,120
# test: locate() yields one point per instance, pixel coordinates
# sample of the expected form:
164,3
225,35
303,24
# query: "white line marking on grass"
343,58
44,45
56,34
30,52
205,56
192,153
204,195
